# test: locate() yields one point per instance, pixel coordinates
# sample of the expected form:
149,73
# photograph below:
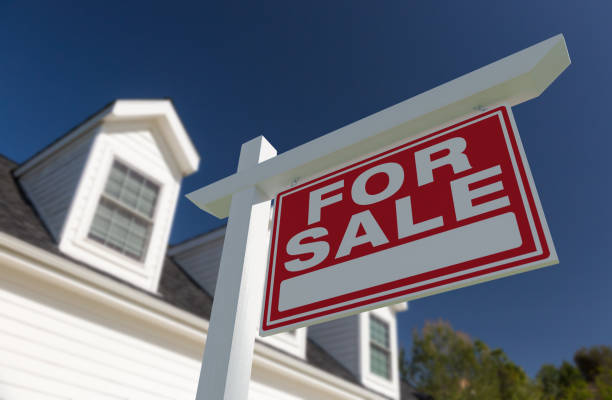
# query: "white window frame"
107,154
150,220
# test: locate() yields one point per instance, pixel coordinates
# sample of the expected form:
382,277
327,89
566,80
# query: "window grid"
380,349
123,219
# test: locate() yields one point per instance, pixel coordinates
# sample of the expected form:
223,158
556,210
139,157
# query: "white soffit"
511,80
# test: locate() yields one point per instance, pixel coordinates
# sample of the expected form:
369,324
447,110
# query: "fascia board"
511,80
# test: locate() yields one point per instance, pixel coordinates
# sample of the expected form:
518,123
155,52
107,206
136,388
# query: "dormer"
107,190
201,257
367,345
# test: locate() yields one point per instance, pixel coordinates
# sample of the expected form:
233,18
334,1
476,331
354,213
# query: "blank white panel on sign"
472,241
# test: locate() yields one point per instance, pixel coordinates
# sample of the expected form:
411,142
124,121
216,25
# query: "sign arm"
511,80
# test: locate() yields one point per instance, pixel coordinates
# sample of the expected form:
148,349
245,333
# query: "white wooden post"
228,354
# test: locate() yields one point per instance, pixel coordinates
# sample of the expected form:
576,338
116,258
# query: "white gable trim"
160,111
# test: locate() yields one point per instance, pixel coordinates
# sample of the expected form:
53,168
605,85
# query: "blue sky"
295,71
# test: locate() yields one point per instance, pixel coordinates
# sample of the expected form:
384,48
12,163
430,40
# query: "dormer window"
380,349
124,217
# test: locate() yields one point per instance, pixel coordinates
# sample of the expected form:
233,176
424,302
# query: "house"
94,305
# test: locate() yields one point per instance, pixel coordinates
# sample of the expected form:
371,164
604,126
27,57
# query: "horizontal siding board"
30,337
30,374
202,263
51,185
47,317
340,338
41,340
11,389
96,375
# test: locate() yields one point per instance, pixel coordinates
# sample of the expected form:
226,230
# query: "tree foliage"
591,362
449,365
590,378
563,383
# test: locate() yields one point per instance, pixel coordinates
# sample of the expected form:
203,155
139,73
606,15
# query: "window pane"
146,202
379,362
131,189
379,347
101,223
120,225
120,229
134,246
379,332
115,180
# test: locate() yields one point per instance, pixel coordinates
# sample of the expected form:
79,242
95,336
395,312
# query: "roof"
19,218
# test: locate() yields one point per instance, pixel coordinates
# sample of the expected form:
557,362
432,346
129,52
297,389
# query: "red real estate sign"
446,210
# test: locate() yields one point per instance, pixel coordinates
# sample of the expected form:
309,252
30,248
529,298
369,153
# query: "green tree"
565,383
548,382
449,365
592,361
603,384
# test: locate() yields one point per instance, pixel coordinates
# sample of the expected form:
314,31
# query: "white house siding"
60,340
340,338
266,385
51,184
54,346
286,385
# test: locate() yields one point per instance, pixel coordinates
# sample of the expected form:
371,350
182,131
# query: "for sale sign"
449,209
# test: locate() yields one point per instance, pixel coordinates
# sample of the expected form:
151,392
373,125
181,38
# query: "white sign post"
235,315
245,196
